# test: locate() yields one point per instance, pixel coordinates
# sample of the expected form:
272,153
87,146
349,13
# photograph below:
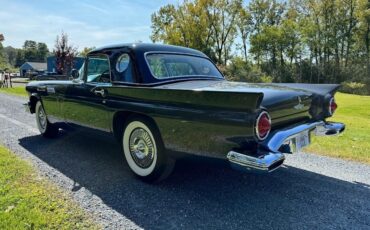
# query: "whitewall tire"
45,127
144,151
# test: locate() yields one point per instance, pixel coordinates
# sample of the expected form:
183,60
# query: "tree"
4,64
64,54
10,55
186,25
2,59
207,25
266,17
20,59
86,50
321,41
42,51
363,36
35,51
30,51
222,15
244,24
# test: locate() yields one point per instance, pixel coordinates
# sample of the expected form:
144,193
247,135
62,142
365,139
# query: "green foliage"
10,54
318,41
85,51
185,25
205,25
244,24
240,70
11,58
35,52
354,88
30,202
20,58
4,64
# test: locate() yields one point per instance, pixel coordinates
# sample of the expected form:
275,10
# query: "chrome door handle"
100,92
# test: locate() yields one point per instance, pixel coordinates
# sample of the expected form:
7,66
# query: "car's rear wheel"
144,150
45,127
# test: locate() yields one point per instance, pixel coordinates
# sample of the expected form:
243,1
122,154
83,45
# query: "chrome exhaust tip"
265,163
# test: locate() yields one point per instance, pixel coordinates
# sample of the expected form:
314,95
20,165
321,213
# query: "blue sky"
88,23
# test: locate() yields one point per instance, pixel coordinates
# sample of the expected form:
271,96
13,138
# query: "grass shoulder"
17,90
30,202
354,142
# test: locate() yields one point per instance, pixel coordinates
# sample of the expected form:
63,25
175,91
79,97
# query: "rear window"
165,66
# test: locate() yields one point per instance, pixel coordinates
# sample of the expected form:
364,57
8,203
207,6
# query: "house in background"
51,64
32,67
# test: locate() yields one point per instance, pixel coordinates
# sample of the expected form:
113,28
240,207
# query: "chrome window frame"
129,62
87,66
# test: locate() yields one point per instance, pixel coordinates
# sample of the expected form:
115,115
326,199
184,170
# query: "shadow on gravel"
204,193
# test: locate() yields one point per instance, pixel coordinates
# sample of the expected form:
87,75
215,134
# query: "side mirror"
75,74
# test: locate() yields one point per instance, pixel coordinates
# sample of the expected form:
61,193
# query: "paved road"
309,192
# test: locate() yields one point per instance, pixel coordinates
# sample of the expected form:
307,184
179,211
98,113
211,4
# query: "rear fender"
32,102
322,93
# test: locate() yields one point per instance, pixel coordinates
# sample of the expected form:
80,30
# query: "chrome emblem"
300,105
50,90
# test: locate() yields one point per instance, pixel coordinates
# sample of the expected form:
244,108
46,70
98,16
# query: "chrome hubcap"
42,119
142,149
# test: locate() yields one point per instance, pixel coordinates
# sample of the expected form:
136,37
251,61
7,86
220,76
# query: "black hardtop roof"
150,47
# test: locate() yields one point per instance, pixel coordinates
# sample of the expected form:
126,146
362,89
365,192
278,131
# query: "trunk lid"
286,103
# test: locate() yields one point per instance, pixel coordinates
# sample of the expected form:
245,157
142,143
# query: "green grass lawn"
354,143
30,202
18,90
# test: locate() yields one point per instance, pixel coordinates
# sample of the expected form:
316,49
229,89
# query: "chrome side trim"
264,163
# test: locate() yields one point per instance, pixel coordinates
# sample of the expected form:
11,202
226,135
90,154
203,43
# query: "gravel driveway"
309,192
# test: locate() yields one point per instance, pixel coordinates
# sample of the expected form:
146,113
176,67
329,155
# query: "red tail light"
263,125
332,106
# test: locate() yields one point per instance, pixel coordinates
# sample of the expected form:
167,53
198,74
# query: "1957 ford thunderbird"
159,100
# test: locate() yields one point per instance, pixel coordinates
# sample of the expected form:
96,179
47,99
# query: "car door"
51,95
85,99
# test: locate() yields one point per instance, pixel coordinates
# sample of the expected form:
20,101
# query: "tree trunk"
352,24
367,43
311,66
245,50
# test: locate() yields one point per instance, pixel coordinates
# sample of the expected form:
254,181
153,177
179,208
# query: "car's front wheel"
45,127
144,151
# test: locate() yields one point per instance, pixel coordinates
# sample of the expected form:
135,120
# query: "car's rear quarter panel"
196,122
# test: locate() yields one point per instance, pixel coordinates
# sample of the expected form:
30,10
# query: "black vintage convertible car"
159,100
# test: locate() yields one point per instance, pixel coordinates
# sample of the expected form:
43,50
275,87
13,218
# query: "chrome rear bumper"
264,163
271,156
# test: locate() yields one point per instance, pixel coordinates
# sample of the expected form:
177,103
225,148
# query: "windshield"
165,66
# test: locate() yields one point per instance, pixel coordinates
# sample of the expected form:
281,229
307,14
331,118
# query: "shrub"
354,88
